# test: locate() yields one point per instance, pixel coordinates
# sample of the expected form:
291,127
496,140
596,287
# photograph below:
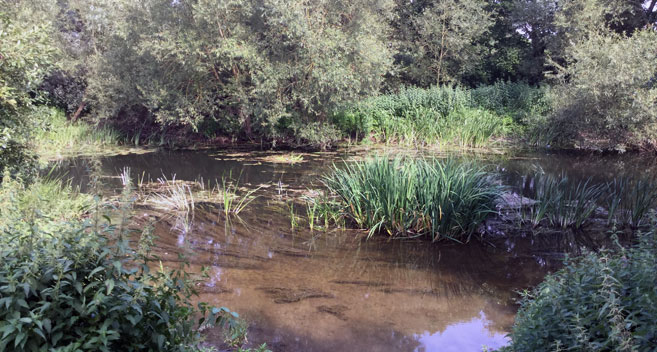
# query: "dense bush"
408,197
607,99
77,285
600,302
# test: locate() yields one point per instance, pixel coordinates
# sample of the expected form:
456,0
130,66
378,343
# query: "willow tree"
236,66
439,41
26,54
607,78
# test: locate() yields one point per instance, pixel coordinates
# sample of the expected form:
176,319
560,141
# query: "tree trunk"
78,112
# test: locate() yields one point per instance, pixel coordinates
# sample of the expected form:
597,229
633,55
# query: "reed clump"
415,197
567,205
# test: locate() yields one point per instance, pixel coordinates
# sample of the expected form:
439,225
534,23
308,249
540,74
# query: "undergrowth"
70,282
599,302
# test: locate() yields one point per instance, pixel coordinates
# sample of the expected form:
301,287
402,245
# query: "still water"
335,291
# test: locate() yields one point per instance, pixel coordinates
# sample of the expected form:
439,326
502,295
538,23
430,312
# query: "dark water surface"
335,291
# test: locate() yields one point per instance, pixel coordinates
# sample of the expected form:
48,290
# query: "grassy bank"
444,115
59,138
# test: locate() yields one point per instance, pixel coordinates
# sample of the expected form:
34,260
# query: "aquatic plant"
629,201
232,202
289,158
600,301
562,203
415,197
176,195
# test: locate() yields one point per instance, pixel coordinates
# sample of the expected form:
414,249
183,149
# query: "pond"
303,290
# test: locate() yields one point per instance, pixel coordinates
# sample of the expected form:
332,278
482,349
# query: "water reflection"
467,336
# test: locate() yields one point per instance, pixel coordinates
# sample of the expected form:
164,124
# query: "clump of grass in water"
232,202
176,196
415,197
629,202
563,204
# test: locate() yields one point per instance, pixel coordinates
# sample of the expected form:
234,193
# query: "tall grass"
233,201
629,202
61,138
562,203
444,115
415,197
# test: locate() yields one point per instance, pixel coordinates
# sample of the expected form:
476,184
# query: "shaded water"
334,291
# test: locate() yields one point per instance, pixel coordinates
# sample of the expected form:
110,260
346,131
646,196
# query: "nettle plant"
79,286
601,301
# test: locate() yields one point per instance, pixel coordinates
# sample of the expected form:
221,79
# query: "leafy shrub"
608,97
72,285
600,302
317,135
407,198
518,100
26,54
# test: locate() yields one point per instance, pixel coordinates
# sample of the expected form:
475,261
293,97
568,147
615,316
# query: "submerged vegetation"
415,197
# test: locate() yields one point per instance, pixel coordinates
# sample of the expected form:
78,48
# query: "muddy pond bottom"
335,291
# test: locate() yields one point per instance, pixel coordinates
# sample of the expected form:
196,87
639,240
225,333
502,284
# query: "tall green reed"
415,197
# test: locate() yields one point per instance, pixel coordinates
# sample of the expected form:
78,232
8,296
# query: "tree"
26,55
240,66
439,41
608,91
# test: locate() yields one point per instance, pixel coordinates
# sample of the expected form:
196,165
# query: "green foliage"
317,135
564,204
439,41
520,101
71,285
239,66
468,118
601,301
608,95
630,201
59,137
408,198
26,53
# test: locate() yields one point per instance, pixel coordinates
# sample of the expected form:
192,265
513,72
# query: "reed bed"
567,205
444,115
62,137
415,197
